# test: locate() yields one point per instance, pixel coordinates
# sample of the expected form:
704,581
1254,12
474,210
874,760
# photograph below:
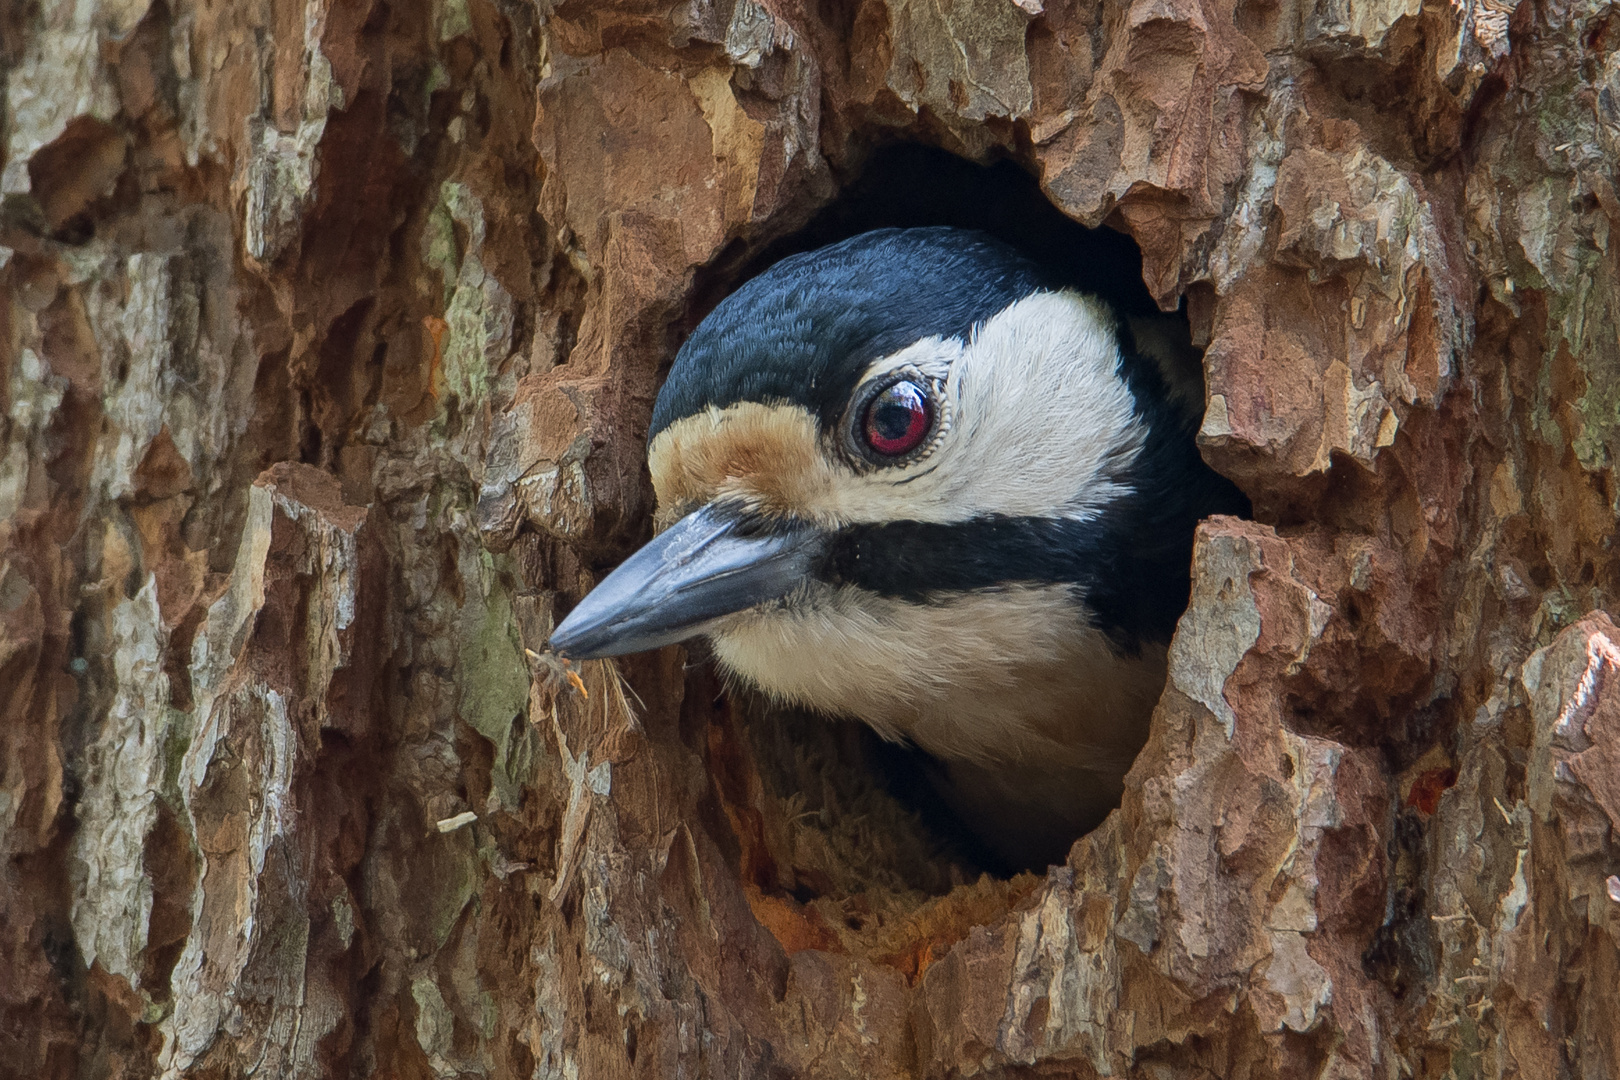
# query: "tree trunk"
329,339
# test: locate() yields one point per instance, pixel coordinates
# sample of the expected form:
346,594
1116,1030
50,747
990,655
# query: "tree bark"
329,339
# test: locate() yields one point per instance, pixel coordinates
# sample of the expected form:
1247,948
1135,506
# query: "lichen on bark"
329,333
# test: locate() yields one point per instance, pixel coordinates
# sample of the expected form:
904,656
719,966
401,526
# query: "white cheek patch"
1042,423
1037,423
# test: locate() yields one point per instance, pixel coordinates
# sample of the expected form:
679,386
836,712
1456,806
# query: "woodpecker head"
910,479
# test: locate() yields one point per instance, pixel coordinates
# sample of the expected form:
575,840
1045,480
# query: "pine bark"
329,333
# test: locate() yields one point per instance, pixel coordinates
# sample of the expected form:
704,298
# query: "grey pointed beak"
698,570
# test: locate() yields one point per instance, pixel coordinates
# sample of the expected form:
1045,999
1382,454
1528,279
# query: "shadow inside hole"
909,186
854,812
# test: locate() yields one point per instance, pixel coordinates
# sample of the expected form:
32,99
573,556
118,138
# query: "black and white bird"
911,479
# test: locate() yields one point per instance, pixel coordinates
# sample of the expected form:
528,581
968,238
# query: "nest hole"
842,841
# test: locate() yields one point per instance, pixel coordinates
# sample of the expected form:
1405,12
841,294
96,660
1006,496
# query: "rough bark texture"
329,334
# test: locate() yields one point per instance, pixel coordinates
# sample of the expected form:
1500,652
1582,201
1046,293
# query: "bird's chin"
799,655
1010,674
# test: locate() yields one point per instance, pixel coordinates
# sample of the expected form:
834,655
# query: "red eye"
898,419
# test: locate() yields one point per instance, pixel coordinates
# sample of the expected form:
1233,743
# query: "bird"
916,479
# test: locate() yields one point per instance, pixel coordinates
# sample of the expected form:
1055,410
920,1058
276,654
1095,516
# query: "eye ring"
896,420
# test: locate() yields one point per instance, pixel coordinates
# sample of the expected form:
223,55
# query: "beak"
694,572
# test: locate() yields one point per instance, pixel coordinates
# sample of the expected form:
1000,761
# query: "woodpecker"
913,479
